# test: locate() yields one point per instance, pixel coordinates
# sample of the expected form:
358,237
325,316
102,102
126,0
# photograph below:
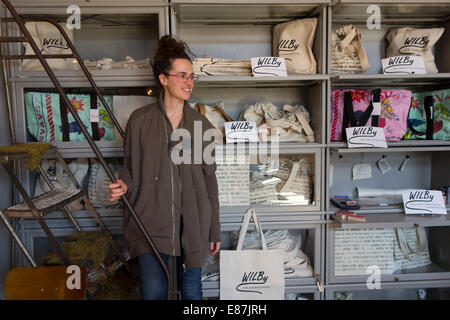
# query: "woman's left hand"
214,247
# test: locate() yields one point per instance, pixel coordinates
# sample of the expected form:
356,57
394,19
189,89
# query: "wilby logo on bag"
414,42
56,42
288,45
253,281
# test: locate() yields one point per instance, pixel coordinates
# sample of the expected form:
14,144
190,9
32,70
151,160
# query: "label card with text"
94,115
423,202
366,137
403,65
241,131
268,67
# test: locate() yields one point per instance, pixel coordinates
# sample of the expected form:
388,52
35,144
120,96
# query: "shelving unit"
427,168
233,30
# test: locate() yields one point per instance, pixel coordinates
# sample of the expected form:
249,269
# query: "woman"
177,203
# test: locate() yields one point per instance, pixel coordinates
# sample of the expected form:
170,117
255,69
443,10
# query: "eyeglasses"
182,76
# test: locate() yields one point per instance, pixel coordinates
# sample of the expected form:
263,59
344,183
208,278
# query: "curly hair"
167,50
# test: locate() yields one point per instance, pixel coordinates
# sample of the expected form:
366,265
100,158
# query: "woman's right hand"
116,190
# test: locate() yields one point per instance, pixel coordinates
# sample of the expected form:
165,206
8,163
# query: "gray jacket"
161,192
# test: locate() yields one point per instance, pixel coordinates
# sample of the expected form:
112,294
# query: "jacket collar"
163,109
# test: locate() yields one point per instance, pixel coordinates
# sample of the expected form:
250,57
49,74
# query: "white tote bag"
251,274
49,41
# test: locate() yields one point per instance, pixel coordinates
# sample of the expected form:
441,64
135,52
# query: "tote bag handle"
428,107
349,114
406,247
248,214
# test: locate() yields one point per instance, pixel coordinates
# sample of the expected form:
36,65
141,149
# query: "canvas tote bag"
291,123
216,115
347,53
49,41
429,116
356,107
412,41
251,274
293,41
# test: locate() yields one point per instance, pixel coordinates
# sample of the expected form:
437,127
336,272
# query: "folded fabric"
60,180
290,123
128,63
217,66
296,263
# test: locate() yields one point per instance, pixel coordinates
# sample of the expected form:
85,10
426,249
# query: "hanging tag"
402,167
362,171
94,115
376,108
384,166
319,283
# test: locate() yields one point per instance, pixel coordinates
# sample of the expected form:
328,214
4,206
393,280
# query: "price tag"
268,67
403,65
423,202
384,166
362,171
376,108
366,137
94,115
241,131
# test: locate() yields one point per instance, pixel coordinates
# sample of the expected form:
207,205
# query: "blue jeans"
153,279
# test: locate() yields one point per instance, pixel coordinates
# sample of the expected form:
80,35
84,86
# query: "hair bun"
167,50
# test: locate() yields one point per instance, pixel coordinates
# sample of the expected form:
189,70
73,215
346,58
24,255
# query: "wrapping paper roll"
364,192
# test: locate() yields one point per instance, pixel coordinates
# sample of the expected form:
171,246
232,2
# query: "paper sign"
94,115
268,67
366,137
362,171
423,202
241,131
403,65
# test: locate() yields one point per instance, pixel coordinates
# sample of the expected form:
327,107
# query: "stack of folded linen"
217,66
128,63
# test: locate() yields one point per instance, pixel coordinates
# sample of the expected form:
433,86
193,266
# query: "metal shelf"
389,80
246,81
396,146
394,12
77,75
81,149
289,282
390,220
252,11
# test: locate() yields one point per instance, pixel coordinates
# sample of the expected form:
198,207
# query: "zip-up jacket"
161,191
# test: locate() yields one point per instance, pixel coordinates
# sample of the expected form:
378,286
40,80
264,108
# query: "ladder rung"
32,56
13,39
7,20
46,202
